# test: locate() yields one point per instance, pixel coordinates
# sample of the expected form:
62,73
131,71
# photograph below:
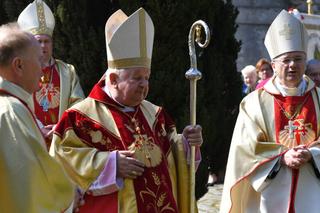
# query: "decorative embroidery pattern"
296,133
48,96
143,146
146,150
159,204
95,135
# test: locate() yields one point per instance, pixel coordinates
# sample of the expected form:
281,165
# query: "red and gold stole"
47,98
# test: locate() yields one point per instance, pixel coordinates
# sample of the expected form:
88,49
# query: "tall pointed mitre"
37,18
285,34
129,40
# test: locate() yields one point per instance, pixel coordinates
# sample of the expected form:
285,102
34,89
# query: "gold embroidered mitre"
129,40
37,18
285,34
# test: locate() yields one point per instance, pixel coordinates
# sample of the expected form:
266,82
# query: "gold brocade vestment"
80,130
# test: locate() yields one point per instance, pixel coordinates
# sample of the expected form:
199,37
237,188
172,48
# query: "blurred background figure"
313,71
264,71
249,75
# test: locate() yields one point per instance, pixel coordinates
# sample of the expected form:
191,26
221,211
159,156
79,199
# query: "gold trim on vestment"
42,29
94,112
143,34
130,62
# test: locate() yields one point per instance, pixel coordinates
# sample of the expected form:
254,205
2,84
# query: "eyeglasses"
287,61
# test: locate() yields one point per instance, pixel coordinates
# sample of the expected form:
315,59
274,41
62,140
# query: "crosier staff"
193,74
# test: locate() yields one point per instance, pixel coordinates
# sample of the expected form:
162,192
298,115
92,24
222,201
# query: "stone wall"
253,21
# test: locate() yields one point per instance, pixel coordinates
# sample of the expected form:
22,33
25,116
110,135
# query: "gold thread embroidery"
159,204
144,147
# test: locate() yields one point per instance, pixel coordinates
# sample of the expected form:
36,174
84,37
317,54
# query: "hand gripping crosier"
193,74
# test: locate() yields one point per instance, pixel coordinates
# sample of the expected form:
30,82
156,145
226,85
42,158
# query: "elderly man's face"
314,73
290,67
133,86
45,42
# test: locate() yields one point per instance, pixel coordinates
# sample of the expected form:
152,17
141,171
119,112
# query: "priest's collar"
16,91
50,63
295,91
101,93
273,86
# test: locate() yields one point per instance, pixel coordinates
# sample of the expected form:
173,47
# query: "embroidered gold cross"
287,31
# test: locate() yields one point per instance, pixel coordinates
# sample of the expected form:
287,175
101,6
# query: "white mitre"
129,40
285,34
37,18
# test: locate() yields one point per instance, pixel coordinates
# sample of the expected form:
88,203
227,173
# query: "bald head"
20,57
13,42
313,71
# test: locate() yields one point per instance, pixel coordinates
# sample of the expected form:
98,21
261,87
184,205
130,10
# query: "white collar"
296,91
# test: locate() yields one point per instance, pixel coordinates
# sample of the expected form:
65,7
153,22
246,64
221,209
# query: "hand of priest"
296,157
128,166
193,134
47,131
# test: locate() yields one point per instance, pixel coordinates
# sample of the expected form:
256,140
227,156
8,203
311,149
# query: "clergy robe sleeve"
107,182
315,151
259,178
83,163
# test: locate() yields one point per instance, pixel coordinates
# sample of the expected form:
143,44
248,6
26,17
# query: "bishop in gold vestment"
123,151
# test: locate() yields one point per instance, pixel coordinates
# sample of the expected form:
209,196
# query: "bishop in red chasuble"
274,158
122,151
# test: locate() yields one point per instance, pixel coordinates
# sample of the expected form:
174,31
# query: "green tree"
10,9
79,36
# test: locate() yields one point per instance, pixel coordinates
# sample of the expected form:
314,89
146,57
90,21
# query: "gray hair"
13,42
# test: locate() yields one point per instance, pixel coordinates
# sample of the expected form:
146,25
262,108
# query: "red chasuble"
295,124
153,190
47,98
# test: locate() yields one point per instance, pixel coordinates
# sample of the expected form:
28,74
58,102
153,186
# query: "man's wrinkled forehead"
292,54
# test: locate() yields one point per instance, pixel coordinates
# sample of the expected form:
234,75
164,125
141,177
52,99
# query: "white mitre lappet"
37,18
285,34
129,40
